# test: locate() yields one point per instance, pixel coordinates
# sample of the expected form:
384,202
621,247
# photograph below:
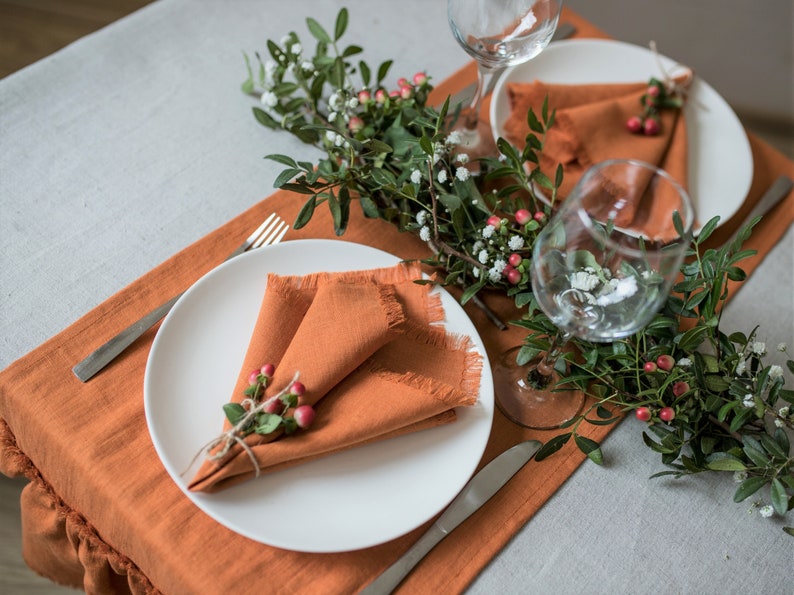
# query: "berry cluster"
655,98
282,411
663,364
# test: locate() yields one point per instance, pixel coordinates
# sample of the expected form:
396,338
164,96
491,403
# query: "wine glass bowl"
498,34
601,268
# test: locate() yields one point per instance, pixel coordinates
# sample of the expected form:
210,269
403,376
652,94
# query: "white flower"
270,70
584,281
269,99
741,367
453,138
352,103
499,265
307,65
779,423
622,289
488,231
416,178
478,245
758,347
766,511
782,347
421,217
483,256
739,476
462,158
476,272
442,176
775,372
515,243
285,40
685,362
784,411
424,233
336,101
330,135
462,174
748,401
296,48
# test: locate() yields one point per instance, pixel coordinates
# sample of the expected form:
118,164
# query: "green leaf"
724,462
369,207
234,412
306,212
317,31
590,447
777,493
285,176
282,159
749,487
383,70
366,75
552,446
692,338
341,24
471,291
267,423
708,229
264,118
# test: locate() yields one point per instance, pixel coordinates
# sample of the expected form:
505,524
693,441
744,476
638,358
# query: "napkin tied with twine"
373,363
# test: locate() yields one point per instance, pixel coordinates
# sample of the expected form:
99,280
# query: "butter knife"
474,494
774,194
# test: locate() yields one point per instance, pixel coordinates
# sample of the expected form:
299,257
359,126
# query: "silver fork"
270,232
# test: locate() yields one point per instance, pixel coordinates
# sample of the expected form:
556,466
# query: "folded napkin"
590,127
373,363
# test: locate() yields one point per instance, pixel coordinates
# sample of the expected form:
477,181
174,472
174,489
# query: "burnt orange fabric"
99,487
361,372
590,127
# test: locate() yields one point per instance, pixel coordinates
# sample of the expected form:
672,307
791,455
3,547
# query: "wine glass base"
527,404
476,142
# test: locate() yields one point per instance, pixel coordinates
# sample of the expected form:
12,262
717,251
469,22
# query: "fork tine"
257,232
271,235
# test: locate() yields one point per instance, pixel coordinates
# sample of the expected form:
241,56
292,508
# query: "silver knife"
466,94
774,194
474,494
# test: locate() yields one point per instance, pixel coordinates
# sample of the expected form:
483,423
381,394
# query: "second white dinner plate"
720,164
346,501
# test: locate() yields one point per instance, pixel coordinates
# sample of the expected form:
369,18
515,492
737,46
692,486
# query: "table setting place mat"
102,514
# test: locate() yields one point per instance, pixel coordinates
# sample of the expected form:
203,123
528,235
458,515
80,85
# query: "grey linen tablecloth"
130,144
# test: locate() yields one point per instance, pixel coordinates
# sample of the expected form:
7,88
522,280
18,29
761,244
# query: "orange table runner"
101,513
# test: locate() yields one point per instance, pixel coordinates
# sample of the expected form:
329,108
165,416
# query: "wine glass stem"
486,77
546,365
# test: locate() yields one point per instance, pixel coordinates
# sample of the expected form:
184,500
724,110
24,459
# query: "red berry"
653,90
402,82
634,124
514,276
651,127
649,367
253,377
304,416
406,91
665,362
667,414
506,270
420,78
514,259
680,387
355,124
380,96
297,388
494,221
539,216
394,94
364,97
522,216
273,405
267,370
643,413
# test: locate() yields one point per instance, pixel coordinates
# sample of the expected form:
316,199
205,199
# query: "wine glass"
497,34
601,269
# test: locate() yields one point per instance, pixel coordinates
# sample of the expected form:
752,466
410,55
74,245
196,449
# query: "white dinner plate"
351,500
720,164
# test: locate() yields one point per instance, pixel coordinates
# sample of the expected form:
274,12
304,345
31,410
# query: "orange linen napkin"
352,343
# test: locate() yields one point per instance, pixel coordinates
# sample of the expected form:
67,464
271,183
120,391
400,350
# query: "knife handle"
107,352
393,576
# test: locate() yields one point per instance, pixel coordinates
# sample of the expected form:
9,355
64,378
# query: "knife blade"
774,194
474,494
466,94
